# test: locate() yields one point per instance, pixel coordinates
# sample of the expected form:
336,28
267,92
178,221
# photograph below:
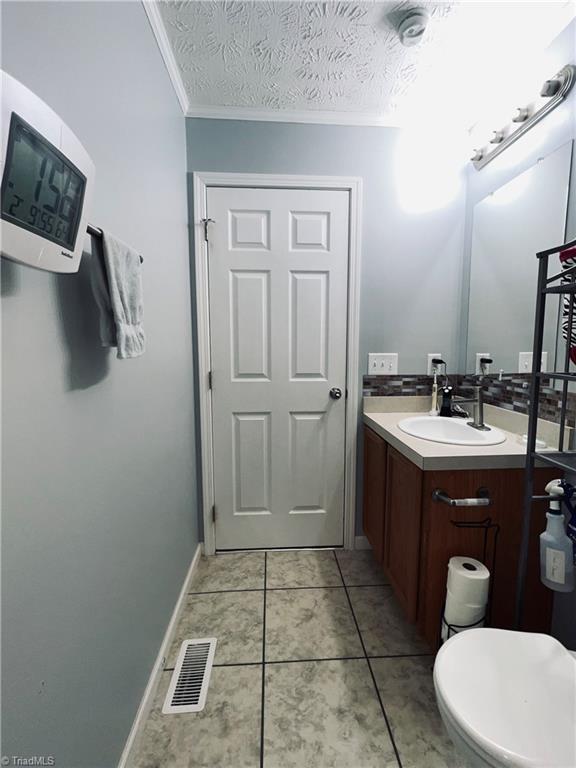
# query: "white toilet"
508,699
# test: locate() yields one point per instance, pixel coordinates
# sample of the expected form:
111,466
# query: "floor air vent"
189,683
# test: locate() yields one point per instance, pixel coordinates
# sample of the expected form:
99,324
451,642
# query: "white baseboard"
146,703
361,542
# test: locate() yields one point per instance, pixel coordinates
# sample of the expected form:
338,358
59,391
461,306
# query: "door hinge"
214,513
205,223
209,379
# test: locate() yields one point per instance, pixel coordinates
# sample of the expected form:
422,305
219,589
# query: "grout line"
321,586
370,668
330,586
225,664
402,656
306,661
224,591
263,665
280,589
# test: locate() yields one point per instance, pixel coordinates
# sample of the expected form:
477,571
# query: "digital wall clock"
47,183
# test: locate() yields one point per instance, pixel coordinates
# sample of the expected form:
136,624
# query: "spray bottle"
556,549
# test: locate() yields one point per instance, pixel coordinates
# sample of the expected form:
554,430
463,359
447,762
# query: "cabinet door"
402,529
374,485
446,532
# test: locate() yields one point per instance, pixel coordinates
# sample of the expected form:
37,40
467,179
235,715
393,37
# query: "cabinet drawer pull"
481,500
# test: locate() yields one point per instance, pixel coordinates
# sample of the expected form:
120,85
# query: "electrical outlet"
478,356
429,366
382,363
525,362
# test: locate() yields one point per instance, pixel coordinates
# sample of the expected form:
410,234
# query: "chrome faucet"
478,401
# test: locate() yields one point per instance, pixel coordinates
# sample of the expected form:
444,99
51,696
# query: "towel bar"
483,500
95,232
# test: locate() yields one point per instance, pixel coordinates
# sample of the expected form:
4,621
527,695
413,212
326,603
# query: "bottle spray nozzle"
555,490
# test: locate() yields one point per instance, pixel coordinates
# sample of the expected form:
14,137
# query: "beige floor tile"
384,629
226,734
244,570
359,568
407,690
235,619
310,624
302,569
324,714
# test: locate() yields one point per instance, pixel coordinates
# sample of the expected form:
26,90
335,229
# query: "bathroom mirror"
526,215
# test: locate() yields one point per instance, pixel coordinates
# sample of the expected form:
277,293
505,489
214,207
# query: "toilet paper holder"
482,498
454,629
487,526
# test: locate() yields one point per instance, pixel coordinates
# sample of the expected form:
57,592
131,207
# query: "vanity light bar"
555,90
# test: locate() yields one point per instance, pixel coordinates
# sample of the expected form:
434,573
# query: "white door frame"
353,185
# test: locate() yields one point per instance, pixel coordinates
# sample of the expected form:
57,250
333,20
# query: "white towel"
117,287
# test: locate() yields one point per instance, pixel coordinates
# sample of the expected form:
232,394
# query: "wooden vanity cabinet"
375,450
418,536
497,547
402,529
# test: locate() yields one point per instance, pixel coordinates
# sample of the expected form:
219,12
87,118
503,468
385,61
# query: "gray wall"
99,507
410,275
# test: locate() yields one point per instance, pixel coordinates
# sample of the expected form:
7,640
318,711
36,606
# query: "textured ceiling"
294,55
276,59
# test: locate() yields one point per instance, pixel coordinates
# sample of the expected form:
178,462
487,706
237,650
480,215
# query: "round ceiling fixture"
412,26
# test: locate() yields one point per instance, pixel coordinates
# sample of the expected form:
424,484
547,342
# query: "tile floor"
315,667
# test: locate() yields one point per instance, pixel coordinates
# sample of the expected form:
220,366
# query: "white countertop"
429,455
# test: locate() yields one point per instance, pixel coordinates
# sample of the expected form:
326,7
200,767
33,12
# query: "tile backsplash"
510,392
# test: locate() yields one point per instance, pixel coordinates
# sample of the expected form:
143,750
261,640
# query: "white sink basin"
456,431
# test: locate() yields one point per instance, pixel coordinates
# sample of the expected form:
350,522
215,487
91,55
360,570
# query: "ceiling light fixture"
553,92
412,26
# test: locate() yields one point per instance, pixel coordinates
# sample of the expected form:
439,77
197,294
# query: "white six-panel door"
278,271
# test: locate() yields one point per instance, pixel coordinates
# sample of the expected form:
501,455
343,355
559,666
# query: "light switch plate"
382,363
431,356
525,362
478,356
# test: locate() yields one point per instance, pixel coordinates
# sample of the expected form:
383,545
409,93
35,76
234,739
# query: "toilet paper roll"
454,597
450,628
468,580
462,615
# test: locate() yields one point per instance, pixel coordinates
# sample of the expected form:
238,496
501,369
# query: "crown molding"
323,117
155,19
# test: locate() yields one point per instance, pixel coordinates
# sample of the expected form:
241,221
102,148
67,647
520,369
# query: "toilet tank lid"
512,693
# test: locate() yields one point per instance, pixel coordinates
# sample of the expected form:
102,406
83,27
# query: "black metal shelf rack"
563,283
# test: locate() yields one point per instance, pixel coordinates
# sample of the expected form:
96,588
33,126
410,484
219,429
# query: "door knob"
335,393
